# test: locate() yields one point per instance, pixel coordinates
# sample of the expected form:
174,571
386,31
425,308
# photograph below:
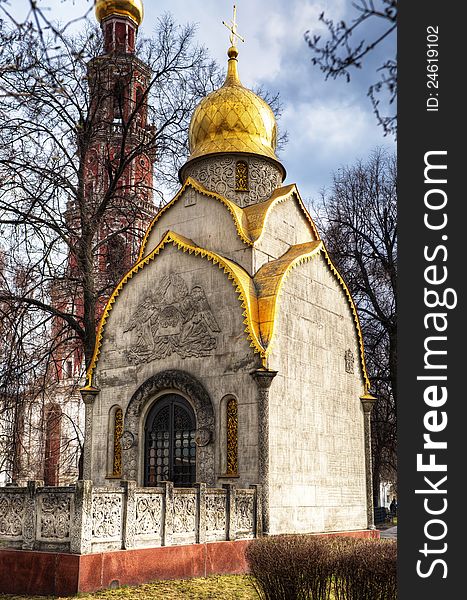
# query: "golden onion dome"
126,8
233,119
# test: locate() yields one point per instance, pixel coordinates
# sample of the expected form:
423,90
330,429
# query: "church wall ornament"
201,402
219,174
172,320
82,519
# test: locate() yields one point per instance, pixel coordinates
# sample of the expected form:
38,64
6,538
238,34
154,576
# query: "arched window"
140,107
170,452
53,430
119,100
232,436
241,176
117,446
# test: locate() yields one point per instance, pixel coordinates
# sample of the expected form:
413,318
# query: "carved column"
200,513
230,510
263,378
30,516
88,394
168,513
367,404
258,525
81,524
129,515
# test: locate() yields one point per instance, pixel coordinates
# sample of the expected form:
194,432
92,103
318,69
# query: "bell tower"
117,175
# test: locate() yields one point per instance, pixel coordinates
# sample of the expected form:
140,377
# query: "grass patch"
226,587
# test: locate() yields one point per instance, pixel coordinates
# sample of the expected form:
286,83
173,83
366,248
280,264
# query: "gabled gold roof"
249,222
233,119
258,295
126,8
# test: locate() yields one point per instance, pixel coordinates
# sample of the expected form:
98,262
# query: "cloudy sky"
330,123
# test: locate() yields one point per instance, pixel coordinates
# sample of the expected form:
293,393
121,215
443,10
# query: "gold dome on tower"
126,8
233,119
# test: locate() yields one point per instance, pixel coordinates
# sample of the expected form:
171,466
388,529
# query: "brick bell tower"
118,84
118,167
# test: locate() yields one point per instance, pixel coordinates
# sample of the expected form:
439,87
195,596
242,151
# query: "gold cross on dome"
233,27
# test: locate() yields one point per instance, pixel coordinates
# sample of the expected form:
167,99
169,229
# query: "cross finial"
233,27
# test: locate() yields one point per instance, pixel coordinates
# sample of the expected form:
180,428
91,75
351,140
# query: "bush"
366,570
301,567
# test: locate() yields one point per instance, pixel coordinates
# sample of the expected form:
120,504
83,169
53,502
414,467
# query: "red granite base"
57,574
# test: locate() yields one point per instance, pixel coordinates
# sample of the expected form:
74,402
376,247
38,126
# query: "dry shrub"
301,567
366,570
290,567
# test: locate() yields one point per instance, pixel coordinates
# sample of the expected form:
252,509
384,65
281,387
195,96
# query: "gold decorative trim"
356,319
236,212
232,438
259,296
269,281
257,214
249,222
244,286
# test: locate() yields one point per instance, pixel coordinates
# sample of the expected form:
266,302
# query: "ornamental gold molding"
249,222
258,295
235,211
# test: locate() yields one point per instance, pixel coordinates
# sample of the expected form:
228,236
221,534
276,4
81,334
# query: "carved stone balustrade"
81,519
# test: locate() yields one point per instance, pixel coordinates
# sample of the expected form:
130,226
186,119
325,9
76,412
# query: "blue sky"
330,123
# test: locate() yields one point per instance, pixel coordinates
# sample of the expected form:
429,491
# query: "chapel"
231,350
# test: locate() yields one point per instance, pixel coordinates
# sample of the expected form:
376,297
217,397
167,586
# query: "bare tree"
358,220
71,200
72,205
375,22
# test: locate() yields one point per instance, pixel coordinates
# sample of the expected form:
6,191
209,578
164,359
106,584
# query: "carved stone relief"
349,362
11,515
172,319
217,174
215,512
55,517
148,514
106,516
245,512
192,388
184,507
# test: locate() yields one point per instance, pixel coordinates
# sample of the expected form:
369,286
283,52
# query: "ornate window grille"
118,432
241,177
232,437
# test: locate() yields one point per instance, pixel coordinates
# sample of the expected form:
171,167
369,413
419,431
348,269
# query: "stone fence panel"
81,519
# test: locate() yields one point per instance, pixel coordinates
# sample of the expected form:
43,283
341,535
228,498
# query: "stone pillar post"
263,378
168,513
367,404
81,524
30,516
200,513
258,525
129,514
88,394
230,509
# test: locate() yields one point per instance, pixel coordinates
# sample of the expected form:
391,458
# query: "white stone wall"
286,225
207,222
317,461
224,371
